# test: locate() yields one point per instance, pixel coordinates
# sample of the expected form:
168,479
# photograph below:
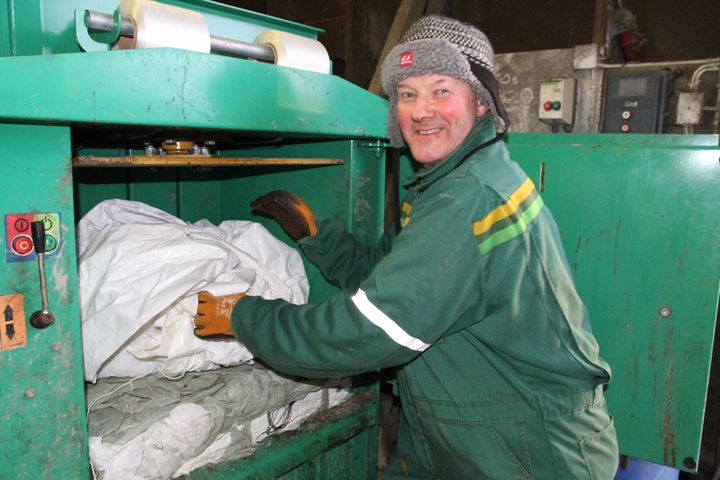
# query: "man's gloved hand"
214,315
290,211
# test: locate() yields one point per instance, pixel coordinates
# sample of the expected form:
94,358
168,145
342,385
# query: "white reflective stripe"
387,324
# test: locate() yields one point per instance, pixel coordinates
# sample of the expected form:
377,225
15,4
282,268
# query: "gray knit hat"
442,46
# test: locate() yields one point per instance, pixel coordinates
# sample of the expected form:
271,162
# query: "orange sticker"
12,322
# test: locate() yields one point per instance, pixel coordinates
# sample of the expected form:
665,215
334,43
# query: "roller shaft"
103,22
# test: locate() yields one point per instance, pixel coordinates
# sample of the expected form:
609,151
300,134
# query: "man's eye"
406,95
442,91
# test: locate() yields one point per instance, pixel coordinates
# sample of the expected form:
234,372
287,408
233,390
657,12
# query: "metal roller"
103,22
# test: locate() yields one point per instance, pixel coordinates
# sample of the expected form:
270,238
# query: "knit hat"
442,46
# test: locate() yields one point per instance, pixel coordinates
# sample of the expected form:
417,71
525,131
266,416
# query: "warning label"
12,322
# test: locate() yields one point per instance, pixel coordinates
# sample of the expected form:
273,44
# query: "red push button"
547,106
22,245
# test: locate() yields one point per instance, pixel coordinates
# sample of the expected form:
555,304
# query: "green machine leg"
42,418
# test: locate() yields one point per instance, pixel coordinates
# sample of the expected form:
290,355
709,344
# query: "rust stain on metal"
669,450
60,280
618,229
67,178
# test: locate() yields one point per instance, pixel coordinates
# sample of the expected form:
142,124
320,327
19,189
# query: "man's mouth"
428,131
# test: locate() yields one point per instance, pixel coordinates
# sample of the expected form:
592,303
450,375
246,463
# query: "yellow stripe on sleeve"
506,209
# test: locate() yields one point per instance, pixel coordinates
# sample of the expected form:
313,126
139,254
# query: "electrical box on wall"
636,102
557,102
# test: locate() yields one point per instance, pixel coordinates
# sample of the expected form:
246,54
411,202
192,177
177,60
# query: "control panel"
636,102
557,101
18,235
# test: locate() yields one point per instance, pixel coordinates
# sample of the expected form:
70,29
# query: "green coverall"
500,375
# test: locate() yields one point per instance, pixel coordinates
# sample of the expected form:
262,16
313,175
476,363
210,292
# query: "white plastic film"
296,51
159,25
140,270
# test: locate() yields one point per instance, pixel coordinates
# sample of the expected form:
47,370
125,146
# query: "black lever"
41,318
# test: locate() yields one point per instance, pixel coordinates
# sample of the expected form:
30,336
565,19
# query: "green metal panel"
42,419
175,88
639,220
48,26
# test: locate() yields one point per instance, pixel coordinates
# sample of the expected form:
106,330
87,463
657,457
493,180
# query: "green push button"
556,105
51,243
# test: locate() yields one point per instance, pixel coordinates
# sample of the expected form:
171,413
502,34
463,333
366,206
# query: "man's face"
435,114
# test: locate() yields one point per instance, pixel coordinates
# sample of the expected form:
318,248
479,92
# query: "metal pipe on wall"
670,63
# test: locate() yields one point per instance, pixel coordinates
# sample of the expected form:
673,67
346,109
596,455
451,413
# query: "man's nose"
423,109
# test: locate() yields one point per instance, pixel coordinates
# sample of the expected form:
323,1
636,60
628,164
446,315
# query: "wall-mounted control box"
636,102
557,101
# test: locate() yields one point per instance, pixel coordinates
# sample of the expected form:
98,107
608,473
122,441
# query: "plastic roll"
160,25
296,51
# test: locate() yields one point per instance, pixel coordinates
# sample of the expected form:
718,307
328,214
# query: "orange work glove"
214,315
290,211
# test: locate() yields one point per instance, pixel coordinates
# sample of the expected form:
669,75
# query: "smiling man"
499,375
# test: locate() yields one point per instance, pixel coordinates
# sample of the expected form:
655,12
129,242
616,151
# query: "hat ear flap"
488,80
393,128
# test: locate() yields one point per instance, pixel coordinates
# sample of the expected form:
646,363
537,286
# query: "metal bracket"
97,41
378,146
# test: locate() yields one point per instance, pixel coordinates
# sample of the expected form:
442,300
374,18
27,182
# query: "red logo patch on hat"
406,59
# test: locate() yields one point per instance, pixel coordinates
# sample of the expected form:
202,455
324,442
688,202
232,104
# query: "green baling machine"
196,134
200,132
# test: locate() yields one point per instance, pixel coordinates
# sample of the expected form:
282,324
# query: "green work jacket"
473,299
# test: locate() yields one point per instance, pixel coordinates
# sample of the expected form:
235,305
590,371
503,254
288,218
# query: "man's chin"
427,159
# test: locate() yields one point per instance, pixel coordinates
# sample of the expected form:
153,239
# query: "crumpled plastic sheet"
152,428
140,270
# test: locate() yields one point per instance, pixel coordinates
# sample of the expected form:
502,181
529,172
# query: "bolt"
665,312
56,347
30,393
690,463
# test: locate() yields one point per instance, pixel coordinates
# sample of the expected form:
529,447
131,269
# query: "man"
500,374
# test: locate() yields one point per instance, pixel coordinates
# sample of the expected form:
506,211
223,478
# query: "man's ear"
481,110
